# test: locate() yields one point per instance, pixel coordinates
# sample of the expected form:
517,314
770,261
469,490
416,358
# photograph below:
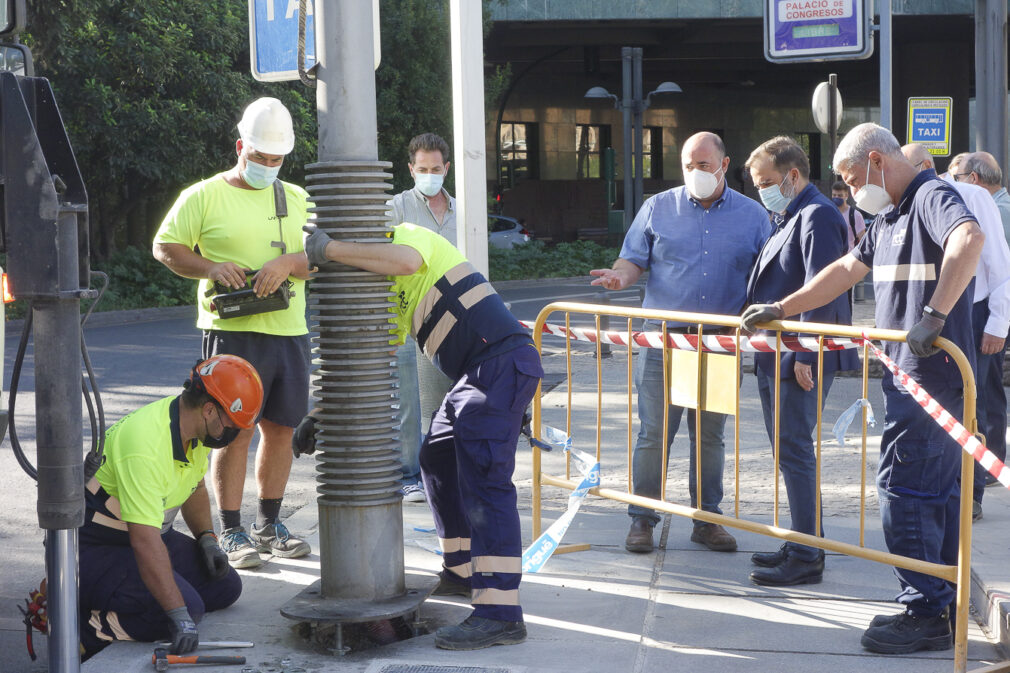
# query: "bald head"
918,156
984,169
704,141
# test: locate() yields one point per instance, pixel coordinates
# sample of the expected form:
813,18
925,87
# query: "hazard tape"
951,425
713,343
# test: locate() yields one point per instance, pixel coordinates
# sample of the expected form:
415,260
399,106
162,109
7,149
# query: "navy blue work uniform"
808,237
147,475
468,457
919,463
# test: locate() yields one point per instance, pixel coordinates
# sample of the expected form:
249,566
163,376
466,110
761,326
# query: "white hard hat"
266,127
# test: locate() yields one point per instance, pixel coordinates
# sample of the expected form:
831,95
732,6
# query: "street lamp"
632,105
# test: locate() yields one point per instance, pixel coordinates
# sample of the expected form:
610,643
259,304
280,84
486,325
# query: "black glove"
303,441
922,335
315,245
214,558
757,313
185,637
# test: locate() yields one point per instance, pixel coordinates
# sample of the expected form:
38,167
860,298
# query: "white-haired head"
860,141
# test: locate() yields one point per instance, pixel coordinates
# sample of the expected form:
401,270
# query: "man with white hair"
982,169
990,312
923,251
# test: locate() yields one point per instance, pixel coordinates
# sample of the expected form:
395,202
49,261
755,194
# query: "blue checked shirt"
698,259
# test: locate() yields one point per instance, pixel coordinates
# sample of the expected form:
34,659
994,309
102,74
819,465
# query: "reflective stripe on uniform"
108,521
497,564
464,570
93,485
424,308
117,630
900,272
453,544
475,294
495,597
95,622
438,333
459,272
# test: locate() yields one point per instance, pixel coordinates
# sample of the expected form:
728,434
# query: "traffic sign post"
817,30
929,123
273,39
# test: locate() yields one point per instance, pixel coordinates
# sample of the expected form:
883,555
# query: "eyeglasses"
958,176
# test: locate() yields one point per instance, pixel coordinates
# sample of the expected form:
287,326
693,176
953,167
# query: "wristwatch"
929,310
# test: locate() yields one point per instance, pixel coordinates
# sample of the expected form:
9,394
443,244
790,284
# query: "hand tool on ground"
217,644
162,659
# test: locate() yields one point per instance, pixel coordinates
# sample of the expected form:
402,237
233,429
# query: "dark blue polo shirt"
905,250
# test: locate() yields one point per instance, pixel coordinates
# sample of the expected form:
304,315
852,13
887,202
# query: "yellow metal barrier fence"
706,371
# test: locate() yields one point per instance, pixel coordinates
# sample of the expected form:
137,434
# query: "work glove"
922,335
303,441
214,558
315,243
758,313
185,637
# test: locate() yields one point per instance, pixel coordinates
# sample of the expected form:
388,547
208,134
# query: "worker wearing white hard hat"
244,224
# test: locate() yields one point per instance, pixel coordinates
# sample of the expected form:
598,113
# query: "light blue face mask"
774,199
428,184
259,176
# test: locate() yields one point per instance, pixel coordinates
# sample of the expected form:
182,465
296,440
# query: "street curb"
107,318
992,611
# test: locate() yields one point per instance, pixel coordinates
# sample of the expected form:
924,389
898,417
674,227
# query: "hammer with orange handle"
162,659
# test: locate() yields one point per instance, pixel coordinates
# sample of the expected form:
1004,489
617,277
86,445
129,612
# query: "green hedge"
137,280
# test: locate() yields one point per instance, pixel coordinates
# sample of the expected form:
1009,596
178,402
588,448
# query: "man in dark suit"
810,234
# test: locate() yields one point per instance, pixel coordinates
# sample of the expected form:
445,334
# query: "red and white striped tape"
761,343
951,425
713,343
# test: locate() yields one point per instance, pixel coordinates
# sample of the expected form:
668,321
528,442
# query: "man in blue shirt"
924,253
810,234
699,243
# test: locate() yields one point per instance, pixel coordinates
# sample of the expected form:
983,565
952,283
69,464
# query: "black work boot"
476,633
451,584
769,559
908,633
639,538
791,572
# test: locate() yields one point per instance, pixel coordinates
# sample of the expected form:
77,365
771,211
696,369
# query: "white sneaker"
413,493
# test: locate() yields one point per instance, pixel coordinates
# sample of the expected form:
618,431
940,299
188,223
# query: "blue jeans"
410,412
797,424
990,403
646,459
918,490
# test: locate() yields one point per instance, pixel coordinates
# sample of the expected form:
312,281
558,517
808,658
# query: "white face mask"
701,184
872,198
428,184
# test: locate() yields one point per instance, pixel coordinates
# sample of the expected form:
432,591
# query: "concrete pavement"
679,608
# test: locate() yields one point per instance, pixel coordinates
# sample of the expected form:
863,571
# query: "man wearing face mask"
237,221
140,579
924,252
990,311
699,243
422,386
809,235
854,218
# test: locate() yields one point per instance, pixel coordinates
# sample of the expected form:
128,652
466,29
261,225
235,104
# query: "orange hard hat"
234,384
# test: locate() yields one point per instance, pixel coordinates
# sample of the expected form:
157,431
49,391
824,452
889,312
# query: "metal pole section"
60,446
991,79
832,118
469,130
885,64
636,55
360,519
626,139
345,84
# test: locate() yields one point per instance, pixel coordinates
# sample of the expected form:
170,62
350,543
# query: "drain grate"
431,668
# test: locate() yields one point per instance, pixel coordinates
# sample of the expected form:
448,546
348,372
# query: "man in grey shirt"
422,386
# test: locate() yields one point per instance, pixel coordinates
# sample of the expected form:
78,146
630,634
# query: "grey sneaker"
275,539
413,492
239,546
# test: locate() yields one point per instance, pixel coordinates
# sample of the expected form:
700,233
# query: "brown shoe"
639,538
713,536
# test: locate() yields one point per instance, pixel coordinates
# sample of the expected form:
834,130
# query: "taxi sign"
929,123
273,39
816,30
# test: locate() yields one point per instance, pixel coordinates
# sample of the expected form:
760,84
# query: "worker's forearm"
960,260
388,259
182,261
832,281
630,272
196,511
155,566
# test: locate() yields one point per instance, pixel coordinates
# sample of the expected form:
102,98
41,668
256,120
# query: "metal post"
885,64
991,79
626,139
832,118
636,54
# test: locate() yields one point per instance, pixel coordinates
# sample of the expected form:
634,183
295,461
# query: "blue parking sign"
929,123
273,39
